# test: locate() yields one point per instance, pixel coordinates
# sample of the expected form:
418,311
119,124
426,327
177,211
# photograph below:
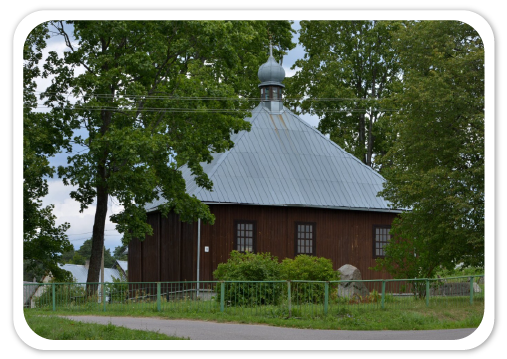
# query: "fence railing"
267,298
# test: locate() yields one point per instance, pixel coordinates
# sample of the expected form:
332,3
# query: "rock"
349,289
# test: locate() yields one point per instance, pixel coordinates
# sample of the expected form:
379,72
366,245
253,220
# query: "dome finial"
270,46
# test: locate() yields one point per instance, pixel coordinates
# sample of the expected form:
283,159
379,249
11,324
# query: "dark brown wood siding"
167,255
344,236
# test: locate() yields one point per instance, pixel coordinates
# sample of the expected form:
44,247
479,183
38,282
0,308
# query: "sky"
67,210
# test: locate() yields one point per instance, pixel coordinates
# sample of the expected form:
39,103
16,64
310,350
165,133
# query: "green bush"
305,267
250,267
65,294
458,272
117,292
265,267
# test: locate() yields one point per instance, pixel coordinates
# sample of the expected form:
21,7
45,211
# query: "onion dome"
271,72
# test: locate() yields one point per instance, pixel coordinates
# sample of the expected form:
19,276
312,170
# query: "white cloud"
67,210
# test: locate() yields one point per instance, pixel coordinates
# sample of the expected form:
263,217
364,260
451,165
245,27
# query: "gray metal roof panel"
285,161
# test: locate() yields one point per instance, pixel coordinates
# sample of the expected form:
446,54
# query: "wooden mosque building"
283,188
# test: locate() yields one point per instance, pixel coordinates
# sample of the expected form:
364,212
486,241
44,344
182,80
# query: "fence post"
289,298
427,292
103,291
326,296
54,299
382,301
471,290
158,296
222,295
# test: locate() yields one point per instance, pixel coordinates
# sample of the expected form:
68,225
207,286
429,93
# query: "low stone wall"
454,289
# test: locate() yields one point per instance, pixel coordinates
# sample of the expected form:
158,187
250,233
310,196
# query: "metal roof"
124,265
283,161
80,272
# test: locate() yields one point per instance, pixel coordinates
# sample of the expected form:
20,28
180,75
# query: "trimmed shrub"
250,267
305,267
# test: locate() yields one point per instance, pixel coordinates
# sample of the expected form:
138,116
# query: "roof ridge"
332,142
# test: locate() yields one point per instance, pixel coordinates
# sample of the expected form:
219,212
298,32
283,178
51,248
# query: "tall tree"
347,68
85,252
151,96
436,166
43,240
119,253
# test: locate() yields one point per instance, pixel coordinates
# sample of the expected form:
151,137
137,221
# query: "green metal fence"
269,298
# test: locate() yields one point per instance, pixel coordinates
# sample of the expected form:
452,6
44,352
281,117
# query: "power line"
78,234
204,110
206,98
86,238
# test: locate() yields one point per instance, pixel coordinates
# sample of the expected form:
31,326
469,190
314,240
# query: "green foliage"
265,267
352,64
84,253
119,253
436,166
458,271
77,259
43,240
68,294
152,96
55,328
118,290
305,267
249,267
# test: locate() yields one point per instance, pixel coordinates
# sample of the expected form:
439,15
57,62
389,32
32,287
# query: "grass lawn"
55,328
413,315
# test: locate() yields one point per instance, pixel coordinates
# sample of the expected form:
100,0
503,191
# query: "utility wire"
207,98
180,110
78,234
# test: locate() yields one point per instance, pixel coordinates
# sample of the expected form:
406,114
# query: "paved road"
199,330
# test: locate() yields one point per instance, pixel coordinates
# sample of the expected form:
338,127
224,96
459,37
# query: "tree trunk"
362,137
100,214
97,241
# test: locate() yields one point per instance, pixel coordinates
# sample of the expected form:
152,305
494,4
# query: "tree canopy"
43,240
146,98
347,68
435,168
